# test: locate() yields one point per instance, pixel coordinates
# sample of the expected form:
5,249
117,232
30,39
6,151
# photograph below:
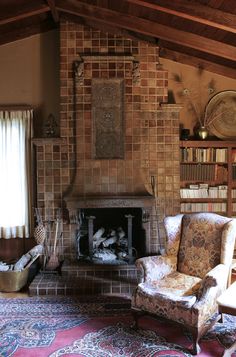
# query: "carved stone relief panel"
108,118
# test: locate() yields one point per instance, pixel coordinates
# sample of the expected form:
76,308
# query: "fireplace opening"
110,235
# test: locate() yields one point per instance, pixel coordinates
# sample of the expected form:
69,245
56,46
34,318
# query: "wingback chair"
183,284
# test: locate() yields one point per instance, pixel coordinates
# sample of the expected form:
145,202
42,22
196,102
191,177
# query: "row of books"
203,154
196,172
233,172
203,207
233,155
204,191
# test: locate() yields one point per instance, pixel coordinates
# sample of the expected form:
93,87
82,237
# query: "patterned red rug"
96,327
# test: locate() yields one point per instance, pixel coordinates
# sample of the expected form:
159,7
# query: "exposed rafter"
24,13
19,32
52,5
192,11
191,31
149,28
112,29
197,62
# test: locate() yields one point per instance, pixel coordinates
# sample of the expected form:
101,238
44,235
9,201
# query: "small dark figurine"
184,134
50,127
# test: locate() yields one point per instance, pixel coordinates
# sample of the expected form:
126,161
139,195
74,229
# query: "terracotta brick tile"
150,134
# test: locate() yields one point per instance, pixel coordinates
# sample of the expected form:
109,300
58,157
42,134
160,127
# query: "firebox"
111,230
111,235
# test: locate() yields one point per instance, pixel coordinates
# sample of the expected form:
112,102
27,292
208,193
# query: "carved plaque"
108,118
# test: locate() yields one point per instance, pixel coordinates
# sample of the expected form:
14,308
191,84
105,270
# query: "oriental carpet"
96,327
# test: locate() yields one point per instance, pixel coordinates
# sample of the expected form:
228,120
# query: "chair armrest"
155,267
213,283
211,287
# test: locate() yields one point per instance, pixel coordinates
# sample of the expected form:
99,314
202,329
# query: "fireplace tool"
153,186
53,261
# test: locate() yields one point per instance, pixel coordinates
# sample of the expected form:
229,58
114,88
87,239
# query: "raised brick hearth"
84,279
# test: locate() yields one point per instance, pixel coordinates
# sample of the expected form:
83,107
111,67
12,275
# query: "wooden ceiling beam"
24,13
103,27
197,62
26,31
148,28
193,11
52,5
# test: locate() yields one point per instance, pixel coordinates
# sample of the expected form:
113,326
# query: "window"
15,159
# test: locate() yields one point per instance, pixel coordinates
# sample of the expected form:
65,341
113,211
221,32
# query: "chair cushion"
175,287
200,244
167,297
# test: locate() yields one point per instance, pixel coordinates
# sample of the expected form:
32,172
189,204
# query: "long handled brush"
153,185
53,261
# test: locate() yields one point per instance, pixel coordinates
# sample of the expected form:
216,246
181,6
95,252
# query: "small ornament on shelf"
50,127
202,132
184,134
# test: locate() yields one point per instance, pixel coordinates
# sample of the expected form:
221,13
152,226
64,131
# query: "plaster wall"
29,74
198,85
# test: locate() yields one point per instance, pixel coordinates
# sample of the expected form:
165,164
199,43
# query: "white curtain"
15,134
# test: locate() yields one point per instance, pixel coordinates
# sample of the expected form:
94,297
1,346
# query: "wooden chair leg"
198,333
196,348
136,315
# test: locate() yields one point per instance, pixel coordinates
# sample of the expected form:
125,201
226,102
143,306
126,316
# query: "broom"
53,262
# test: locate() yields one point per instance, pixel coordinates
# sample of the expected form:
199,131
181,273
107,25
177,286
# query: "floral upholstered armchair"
183,284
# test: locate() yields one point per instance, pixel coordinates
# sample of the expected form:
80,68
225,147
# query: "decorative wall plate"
223,107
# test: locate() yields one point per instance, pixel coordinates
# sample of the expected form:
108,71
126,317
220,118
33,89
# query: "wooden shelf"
223,213
210,183
224,171
203,200
207,144
204,162
44,141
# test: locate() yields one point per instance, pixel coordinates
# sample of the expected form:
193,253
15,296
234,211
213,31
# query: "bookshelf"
208,176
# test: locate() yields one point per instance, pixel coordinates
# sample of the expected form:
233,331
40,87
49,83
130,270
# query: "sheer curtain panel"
15,158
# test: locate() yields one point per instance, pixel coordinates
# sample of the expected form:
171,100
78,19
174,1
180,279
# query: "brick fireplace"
71,171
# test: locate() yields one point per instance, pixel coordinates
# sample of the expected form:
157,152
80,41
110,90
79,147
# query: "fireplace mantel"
110,202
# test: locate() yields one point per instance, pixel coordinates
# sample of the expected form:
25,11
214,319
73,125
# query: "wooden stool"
227,305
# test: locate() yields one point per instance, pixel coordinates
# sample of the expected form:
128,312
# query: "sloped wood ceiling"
200,33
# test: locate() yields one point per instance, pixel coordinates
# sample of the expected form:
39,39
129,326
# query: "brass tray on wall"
223,107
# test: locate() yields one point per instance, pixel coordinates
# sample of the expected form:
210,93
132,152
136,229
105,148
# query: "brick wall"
66,167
